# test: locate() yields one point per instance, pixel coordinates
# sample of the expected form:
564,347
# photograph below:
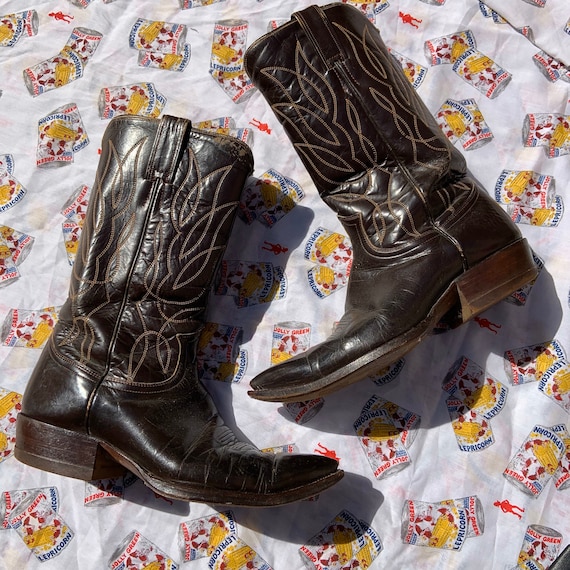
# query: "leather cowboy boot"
427,239
116,387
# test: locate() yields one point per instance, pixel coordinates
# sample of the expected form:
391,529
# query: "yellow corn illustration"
40,335
6,33
270,194
279,356
155,112
170,60
72,246
364,555
272,294
227,75
58,130
206,335
443,531
5,193
239,557
543,362
63,72
3,441
560,135
136,102
343,539
457,49
524,557
456,123
287,203
329,243
225,54
154,565
409,74
482,398
479,64
546,454
468,431
217,534
380,429
540,216
226,370
5,252
206,125
562,381
42,537
150,32
8,401
324,275
518,183
477,115
251,283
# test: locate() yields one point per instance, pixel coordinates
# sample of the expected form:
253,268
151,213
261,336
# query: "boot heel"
495,278
62,451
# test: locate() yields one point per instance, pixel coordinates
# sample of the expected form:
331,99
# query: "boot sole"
76,455
474,291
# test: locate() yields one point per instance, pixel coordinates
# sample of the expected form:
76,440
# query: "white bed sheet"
439,470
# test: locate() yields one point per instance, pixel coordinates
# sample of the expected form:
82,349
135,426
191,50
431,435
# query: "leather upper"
120,365
401,191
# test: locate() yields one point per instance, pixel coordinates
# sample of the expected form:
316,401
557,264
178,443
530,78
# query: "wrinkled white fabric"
439,470
547,20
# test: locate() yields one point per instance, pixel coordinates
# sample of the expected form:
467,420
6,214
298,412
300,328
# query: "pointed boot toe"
116,387
428,241
295,474
284,383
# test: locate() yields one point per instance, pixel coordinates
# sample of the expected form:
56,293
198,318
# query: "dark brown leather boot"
426,238
116,386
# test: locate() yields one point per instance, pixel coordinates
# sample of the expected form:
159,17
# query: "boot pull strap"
318,29
170,141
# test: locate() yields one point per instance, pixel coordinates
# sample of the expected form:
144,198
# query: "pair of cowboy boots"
116,387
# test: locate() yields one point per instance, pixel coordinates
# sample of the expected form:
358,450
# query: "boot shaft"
374,151
159,218
427,240
117,387
345,102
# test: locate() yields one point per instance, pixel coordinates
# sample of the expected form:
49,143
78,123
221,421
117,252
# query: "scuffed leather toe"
296,471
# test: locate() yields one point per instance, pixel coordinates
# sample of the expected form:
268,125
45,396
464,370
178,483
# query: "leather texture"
120,366
417,220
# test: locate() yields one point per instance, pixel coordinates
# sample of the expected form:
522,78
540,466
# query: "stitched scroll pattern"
160,247
186,246
343,129
102,256
384,218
